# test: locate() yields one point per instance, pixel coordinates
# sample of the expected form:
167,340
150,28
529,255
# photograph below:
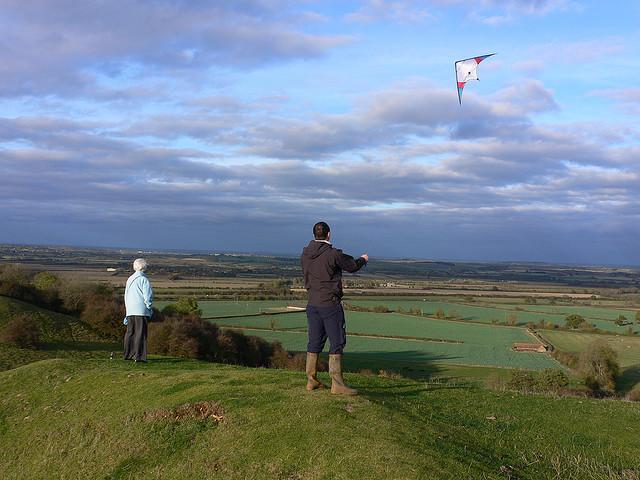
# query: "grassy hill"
62,336
70,418
54,326
69,412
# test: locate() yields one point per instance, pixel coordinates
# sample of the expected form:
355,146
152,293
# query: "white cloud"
56,47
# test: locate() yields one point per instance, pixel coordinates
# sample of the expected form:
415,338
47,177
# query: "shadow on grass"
80,346
630,378
417,365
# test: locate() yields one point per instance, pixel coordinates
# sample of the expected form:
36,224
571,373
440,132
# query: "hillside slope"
101,419
61,336
54,326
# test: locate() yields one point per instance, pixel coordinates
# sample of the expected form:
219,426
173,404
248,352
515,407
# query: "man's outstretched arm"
350,264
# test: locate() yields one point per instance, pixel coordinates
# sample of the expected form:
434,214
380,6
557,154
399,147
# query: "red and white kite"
466,70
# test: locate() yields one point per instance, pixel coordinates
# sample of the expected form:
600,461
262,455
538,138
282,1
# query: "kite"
466,70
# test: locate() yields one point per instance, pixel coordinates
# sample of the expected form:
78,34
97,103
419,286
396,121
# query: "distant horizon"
294,255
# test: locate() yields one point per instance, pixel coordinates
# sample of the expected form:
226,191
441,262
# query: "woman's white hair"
139,264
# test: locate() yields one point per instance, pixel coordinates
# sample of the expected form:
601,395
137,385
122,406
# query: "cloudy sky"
234,126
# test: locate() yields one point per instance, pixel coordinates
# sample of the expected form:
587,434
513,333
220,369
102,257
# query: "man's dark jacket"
322,266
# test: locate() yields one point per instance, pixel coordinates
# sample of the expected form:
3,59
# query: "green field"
628,348
100,419
222,308
485,345
492,311
486,311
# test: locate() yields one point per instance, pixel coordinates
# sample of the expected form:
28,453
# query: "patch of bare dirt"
198,411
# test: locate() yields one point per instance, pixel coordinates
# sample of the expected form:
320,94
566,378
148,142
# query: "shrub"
522,381
440,313
45,281
188,306
22,331
298,362
46,289
15,283
621,320
12,275
552,380
170,311
247,350
599,366
280,358
381,309
569,359
104,311
633,395
574,320
184,306
188,337
73,297
192,337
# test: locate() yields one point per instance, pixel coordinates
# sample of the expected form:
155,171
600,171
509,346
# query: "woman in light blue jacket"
138,298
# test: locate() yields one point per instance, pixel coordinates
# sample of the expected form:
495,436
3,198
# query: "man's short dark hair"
321,231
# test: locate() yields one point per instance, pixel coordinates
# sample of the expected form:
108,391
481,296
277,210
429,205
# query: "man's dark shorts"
326,322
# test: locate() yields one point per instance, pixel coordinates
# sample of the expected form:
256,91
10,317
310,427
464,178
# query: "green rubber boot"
312,371
338,386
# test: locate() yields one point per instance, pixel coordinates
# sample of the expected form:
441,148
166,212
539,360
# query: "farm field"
435,342
223,308
628,348
602,318
374,353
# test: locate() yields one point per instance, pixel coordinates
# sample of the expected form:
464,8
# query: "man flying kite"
466,70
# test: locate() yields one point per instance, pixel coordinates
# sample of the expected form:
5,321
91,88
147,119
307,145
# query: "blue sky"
237,125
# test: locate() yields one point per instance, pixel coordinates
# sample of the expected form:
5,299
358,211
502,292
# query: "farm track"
259,314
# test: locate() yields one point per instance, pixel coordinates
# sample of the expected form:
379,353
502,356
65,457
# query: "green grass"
62,336
627,348
489,311
12,357
221,308
54,326
377,352
70,419
483,310
483,345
